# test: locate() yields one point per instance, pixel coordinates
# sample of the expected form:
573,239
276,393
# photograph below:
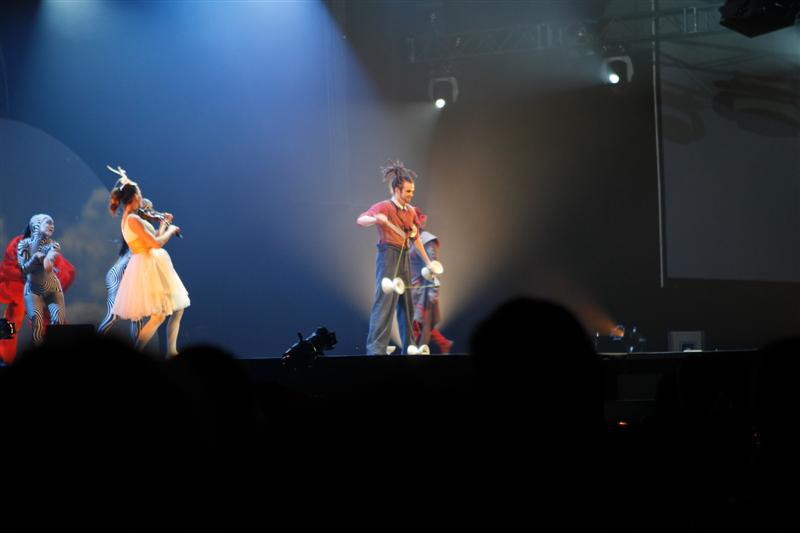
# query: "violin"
152,215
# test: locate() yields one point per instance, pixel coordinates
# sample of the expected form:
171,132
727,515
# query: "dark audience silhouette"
99,436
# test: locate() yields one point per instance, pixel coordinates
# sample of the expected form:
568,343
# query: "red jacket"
12,281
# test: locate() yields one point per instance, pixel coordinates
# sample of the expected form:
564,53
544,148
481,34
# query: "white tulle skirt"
150,286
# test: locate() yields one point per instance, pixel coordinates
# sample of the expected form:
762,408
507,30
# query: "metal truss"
629,28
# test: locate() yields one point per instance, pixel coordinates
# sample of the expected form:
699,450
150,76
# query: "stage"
636,387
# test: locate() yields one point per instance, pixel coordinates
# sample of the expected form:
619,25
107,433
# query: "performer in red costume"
12,284
425,293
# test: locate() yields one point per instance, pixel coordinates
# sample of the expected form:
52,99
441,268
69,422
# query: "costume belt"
138,247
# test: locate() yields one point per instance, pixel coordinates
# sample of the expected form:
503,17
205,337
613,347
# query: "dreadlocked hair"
395,173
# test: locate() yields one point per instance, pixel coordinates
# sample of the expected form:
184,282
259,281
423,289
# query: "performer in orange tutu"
150,287
12,285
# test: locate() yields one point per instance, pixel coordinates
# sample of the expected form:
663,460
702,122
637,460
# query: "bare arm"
135,224
165,223
24,258
421,249
50,258
366,221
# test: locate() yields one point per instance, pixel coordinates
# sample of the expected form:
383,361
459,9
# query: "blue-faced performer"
425,294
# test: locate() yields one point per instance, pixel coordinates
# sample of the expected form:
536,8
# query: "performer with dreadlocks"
397,224
36,256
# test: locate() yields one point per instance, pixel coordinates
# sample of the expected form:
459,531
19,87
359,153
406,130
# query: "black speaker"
69,334
757,17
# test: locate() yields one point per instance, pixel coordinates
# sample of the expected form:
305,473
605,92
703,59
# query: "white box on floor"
682,341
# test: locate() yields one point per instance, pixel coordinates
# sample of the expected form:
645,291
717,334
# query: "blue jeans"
390,262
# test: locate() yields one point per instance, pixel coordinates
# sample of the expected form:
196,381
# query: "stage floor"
630,381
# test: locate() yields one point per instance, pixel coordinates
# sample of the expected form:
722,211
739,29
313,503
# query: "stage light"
304,352
620,340
443,90
7,329
757,17
618,69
